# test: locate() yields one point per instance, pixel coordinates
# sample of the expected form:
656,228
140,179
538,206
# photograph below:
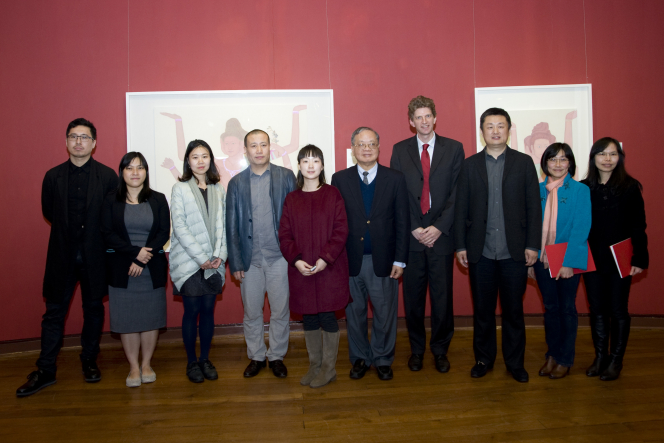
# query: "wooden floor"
414,406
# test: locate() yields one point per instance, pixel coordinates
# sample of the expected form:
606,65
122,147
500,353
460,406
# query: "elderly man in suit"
499,231
72,197
431,164
377,246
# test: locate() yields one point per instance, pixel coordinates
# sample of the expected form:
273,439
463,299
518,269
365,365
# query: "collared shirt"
495,244
431,144
264,244
370,178
77,194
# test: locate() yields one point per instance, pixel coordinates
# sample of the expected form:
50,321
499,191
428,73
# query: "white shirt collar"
372,172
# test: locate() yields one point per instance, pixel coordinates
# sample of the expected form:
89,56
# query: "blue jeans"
560,317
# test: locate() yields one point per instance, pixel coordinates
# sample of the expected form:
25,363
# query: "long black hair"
620,180
311,151
121,193
212,174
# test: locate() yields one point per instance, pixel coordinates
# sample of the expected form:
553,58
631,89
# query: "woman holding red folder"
565,219
618,214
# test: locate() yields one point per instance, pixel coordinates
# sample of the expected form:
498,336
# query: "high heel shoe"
559,371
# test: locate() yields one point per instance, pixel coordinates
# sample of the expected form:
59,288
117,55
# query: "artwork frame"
160,123
542,115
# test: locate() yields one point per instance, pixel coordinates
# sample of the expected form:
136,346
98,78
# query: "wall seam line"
329,65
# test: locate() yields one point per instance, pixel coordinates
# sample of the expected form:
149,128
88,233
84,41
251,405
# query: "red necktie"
426,167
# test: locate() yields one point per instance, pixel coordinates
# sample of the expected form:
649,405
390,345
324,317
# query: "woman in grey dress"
136,226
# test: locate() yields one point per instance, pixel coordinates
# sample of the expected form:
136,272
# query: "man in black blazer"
431,164
377,246
72,197
499,228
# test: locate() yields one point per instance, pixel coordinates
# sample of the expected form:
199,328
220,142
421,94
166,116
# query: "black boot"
619,336
599,330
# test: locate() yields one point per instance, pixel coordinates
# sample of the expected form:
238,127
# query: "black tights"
325,320
193,306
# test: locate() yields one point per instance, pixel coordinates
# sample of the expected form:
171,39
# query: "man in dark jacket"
72,197
254,203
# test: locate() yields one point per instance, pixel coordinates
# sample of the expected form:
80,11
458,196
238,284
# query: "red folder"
556,255
622,254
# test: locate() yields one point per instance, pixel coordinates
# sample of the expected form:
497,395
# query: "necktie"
366,180
426,167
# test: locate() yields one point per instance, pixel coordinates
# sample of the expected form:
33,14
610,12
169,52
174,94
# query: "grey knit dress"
139,307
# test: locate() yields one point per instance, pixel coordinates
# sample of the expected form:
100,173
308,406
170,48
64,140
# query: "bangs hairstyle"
420,102
620,180
212,174
311,151
121,193
495,111
552,151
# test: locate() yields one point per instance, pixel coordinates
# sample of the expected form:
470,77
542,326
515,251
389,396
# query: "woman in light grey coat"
198,253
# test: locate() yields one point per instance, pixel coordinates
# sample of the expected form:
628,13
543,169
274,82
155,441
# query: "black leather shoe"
279,368
91,371
442,363
415,362
519,374
598,366
194,373
480,369
612,371
254,368
208,370
359,369
384,372
37,380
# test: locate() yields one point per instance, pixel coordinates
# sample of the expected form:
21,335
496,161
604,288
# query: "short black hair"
311,151
255,131
495,111
551,151
121,193
212,174
82,122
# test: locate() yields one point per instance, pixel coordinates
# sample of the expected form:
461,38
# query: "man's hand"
417,233
462,258
239,275
531,257
397,271
429,236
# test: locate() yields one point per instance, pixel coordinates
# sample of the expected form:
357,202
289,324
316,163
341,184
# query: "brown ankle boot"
559,371
548,367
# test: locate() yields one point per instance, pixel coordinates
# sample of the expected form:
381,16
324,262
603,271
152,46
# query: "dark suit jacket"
447,158
521,205
121,253
389,222
59,260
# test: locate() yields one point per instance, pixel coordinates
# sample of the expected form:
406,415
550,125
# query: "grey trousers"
384,295
274,280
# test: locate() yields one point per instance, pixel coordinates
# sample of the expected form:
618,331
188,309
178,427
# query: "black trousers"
53,321
488,278
426,268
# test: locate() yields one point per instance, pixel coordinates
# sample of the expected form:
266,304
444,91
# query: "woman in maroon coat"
312,235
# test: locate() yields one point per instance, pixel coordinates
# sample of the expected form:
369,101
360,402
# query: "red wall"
72,58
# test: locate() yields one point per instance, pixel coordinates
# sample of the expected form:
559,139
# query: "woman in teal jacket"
566,218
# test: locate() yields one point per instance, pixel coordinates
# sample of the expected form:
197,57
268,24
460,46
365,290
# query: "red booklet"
622,254
556,256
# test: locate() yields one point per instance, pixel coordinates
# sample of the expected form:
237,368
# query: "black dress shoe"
519,374
208,370
480,369
91,371
384,372
278,368
359,369
37,380
194,373
442,363
254,368
415,362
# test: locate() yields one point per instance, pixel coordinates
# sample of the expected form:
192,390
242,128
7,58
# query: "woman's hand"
565,272
303,267
635,270
135,270
206,265
320,266
216,263
144,255
531,272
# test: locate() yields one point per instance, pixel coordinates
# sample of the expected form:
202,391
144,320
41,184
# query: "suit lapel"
379,190
509,162
414,153
93,182
437,153
63,183
355,188
481,167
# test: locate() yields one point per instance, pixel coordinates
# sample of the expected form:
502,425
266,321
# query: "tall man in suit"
499,231
254,202
72,198
431,164
377,246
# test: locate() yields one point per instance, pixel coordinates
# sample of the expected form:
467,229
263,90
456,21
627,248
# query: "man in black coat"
376,201
72,197
431,164
498,220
